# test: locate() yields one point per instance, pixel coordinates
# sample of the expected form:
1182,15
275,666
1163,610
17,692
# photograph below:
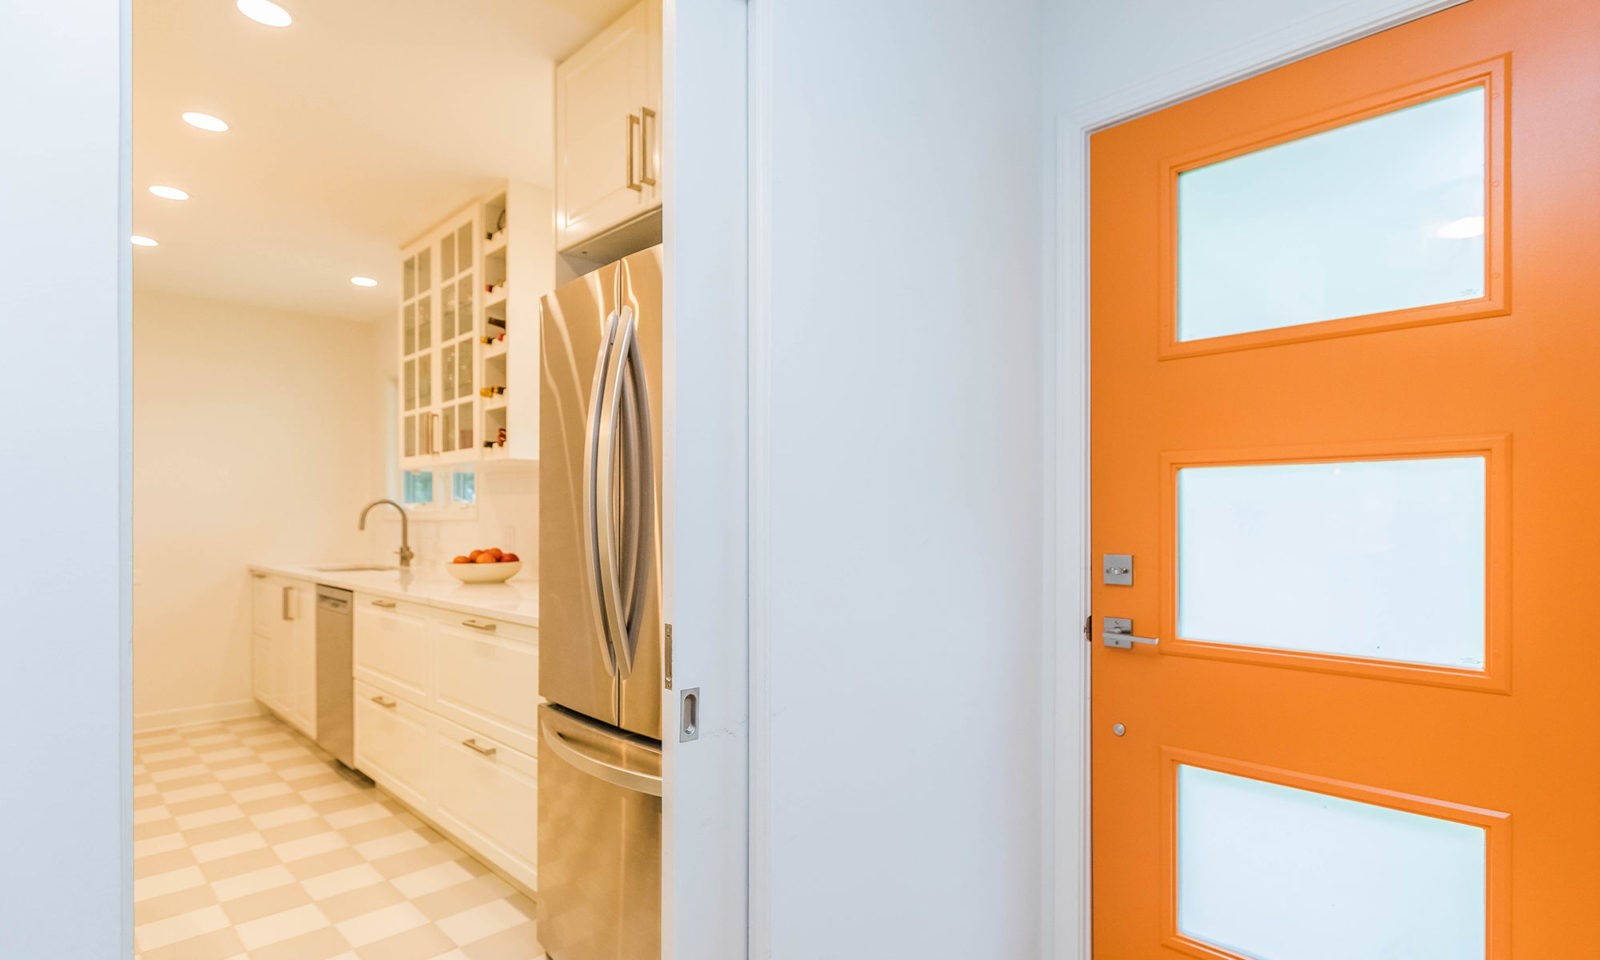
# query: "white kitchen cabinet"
446,721
394,746
487,677
284,649
608,134
487,794
469,330
393,647
439,288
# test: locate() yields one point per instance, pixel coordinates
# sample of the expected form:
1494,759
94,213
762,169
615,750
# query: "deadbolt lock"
1117,569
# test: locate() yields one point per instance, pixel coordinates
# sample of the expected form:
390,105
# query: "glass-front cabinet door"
416,356
438,345
458,339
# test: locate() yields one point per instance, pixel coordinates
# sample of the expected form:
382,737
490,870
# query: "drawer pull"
478,624
385,604
384,702
471,743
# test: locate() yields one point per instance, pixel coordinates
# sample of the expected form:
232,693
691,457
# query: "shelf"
497,247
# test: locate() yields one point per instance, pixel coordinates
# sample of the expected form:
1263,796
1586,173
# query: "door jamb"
1066,899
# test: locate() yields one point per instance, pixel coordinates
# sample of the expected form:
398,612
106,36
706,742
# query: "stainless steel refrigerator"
600,614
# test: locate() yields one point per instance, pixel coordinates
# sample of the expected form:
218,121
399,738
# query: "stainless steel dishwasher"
335,687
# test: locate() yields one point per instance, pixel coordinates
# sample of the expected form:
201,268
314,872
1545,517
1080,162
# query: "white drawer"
486,676
394,745
488,796
266,610
393,648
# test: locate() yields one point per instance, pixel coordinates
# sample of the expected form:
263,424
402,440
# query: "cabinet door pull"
479,625
384,702
633,180
471,743
646,121
385,604
284,603
259,576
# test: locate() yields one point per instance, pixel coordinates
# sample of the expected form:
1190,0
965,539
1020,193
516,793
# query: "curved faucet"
405,529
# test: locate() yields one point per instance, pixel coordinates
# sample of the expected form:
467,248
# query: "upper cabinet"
469,331
609,180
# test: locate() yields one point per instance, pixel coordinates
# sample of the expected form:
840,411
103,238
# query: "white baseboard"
192,716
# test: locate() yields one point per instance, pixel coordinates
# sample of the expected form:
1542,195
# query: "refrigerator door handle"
618,776
593,476
611,599
642,503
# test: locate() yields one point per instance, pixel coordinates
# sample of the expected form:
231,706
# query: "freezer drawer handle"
478,624
471,743
384,702
601,769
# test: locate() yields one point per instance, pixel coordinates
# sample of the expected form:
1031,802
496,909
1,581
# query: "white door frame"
706,476
66,715
1067,893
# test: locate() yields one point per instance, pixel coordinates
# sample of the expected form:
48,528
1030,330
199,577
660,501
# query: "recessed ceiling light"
1464,229
205,121
265,11
169,193
139,241
364,281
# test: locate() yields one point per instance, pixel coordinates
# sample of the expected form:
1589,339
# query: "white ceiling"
353,130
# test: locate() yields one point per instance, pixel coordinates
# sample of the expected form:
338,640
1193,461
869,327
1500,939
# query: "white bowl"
484,572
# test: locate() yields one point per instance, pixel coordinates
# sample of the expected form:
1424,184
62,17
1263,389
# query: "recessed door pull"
1118,634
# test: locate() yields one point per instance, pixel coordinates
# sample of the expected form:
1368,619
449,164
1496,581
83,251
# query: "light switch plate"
1117,569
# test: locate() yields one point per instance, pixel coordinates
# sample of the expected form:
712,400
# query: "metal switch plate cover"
1117,569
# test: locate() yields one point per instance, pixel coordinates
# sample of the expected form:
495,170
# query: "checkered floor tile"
250,842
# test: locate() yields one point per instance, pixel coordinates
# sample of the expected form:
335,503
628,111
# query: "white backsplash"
507,516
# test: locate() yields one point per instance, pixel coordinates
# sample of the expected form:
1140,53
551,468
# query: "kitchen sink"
354,567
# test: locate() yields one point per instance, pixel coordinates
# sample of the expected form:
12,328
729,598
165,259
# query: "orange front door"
1345,454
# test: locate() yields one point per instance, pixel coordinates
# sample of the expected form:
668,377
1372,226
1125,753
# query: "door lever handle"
1118,634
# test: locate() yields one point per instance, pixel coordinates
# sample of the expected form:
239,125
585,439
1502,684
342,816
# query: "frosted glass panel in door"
1383,214
1278,873
464,247
465,322
447,313
1382,559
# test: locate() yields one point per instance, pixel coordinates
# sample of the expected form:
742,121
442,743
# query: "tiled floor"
249,842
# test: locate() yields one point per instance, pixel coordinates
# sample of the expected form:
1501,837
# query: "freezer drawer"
599,840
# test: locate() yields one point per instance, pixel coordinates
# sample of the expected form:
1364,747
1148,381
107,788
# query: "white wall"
1105,62
251,442
902,467
65,853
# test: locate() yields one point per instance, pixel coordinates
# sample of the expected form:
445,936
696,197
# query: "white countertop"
515,601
